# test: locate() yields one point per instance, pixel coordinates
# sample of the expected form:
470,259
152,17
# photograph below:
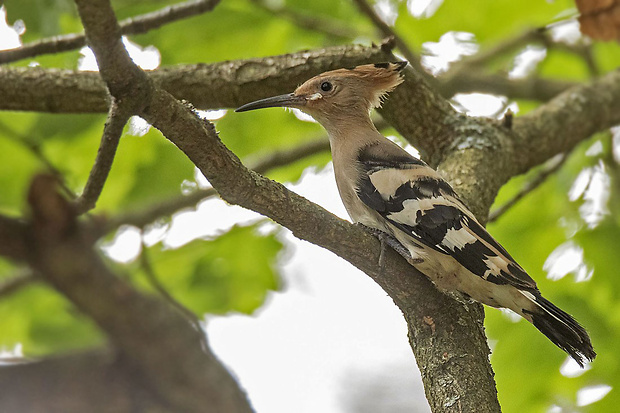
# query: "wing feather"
416,200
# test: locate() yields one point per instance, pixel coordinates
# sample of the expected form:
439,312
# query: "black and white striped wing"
413,198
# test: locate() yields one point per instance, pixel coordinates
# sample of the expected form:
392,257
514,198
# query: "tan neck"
351,133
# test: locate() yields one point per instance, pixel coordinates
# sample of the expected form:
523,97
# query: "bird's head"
339,94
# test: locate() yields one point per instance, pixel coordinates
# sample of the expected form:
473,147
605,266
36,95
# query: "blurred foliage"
532,229
234,271
42,321
207,276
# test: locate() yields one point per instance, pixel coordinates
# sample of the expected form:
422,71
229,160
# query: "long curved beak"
288,100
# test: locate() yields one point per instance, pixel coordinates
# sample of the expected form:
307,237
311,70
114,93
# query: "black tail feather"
563,330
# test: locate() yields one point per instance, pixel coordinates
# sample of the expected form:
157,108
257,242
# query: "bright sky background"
332,336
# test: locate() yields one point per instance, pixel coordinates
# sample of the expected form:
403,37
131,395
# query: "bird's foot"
386,241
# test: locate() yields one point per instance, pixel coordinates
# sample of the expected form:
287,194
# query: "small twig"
471,81
134,25
550,167
285,157
588,57
332,28
153,280
538,35
507,119
387,31
581,50
112,131
16,283
143,218
143,329
35,148
507,46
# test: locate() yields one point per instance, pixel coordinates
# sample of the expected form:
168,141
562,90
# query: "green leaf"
233,272
146,169
489,21
18,162
209,38
43,322
607,55
41,17
564,66
256,133
6,269
17,166
293,172
530,231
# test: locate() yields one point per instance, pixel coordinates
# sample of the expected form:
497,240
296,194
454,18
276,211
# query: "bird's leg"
386,241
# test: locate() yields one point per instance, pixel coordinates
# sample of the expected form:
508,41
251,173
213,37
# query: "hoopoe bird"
386,189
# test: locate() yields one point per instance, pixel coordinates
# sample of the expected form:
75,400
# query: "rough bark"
233,83
447,336
13,241
459,326
76,383
158,354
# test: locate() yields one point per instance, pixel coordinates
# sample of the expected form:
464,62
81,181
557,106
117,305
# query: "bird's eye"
326,86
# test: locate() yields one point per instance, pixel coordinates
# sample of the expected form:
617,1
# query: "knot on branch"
53,216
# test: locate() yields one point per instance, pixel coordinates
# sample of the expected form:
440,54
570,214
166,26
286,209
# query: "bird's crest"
384,77
373,80
341,93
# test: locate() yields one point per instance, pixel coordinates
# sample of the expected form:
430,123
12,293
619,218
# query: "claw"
386,241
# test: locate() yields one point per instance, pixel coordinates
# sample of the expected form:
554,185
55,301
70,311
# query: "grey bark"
477,156
231,84
159,361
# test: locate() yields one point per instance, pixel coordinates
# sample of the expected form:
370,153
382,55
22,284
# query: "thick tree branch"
122,77
231,84
569,118
463,361
99,381
13,238
52,90
236,184
61,250
135,25
449,342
